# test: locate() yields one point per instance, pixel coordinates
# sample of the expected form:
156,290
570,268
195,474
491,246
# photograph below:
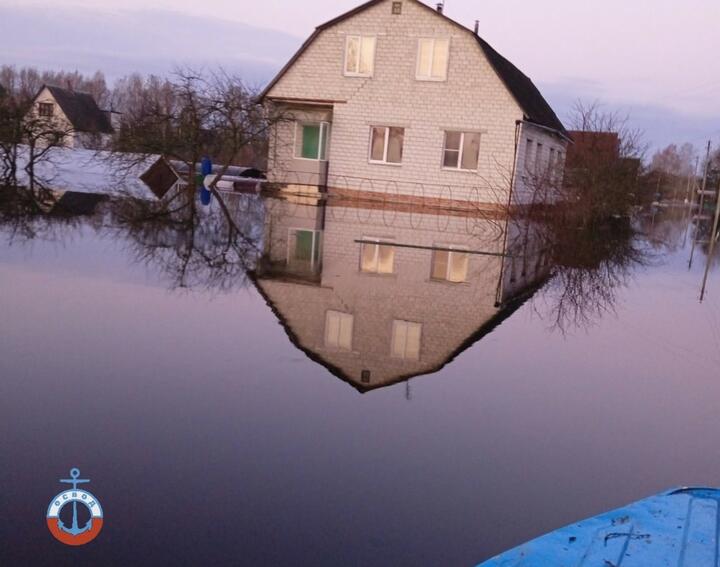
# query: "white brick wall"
472,98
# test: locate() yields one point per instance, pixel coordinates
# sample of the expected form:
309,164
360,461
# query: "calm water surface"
219,429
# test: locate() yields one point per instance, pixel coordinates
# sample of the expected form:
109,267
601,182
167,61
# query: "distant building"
87,125
592,147
597,151
396,100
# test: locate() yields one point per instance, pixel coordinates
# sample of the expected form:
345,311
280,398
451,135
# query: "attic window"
432,60
396,8
359,56
46,109
406,340
338,330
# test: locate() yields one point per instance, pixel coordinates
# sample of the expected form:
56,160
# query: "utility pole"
713,241
692,178
690,198
702,202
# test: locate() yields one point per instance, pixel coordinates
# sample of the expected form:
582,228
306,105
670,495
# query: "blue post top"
206,166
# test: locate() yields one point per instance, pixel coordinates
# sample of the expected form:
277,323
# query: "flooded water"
344,385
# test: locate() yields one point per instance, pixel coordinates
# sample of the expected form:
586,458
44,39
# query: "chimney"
477,27
440,7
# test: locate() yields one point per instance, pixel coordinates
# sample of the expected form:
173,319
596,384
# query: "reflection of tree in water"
590,265
194,246
664,229
703,234
26,215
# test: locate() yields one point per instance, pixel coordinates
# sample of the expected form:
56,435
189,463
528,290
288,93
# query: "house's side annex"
440,115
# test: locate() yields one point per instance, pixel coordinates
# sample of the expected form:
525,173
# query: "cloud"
119,42
661,125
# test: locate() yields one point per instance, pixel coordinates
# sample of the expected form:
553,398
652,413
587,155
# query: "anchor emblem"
74,534
74,529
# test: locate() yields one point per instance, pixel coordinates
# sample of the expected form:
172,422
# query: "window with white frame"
432,59
386,144
360,55
450,264
462,150
338,330
304,248
377,257
406,340
311,140
551,164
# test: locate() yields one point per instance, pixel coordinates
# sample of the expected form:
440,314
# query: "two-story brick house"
396,99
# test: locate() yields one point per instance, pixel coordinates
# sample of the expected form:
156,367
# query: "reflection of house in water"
381,295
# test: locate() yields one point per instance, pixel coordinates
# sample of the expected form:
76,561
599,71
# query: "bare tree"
186,118
212,248
589,267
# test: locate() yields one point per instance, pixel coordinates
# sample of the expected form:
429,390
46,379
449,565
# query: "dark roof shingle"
82,110
527,95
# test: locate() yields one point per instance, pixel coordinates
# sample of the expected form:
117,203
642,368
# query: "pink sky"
656,59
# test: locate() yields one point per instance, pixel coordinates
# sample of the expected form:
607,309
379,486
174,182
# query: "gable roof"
81,110
526,94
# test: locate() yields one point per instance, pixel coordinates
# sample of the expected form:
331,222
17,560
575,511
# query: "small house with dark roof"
166,176
396,100
87,126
